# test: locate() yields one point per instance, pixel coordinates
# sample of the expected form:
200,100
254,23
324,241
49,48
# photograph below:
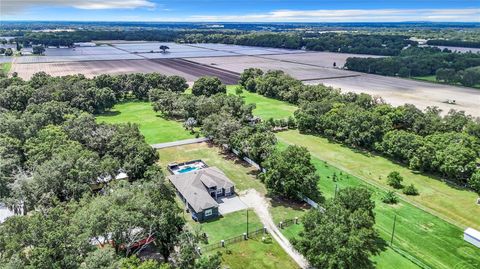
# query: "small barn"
472,236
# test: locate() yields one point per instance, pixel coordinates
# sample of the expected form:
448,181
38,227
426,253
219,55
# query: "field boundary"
180,143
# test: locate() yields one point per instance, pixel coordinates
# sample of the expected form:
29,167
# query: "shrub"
410,190
394,179
390,198
474,181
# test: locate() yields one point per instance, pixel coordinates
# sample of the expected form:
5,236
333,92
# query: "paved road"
260,205
179,143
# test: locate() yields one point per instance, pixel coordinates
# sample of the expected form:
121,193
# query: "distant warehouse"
472,236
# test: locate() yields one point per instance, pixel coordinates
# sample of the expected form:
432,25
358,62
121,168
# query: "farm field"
426,238
244,178
155,128
94,68
398,91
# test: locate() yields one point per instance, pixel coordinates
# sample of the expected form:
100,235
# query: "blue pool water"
187,169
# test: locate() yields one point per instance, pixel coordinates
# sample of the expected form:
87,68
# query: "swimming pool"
187,169
181,168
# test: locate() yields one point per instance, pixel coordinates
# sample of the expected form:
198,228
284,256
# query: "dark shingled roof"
192,186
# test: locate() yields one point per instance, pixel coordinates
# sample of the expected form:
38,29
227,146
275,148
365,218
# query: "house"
200,189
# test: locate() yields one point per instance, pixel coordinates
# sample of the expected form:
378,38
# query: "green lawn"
155,128
238,171
256,253
453,204
6,67
228,226
433,79
266,107
424,237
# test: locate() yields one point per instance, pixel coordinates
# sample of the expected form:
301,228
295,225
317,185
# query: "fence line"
233,240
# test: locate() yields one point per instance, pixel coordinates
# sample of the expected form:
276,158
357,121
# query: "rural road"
260,205
179,143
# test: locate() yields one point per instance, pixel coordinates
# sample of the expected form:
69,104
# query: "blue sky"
242,10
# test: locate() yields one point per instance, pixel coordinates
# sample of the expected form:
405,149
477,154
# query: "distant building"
102,181
5,213
84,44
199,190
472,236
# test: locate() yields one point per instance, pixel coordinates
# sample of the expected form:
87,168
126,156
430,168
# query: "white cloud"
9,7
351,15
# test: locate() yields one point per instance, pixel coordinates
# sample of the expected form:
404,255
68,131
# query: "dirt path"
260,205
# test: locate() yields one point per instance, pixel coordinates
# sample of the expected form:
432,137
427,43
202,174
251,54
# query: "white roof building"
472,236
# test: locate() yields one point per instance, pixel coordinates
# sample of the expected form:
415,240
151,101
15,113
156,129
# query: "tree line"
454,43
333,42
423,140
415,61
53,153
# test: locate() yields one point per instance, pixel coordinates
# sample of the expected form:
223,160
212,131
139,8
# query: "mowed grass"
266,107
433,79
450,203
228,226
238,171
256,253
421,236
153,126
244,178
5,67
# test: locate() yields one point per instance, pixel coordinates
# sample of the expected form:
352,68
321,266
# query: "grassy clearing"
256,253
433,79
238,171
426,238
456,205
5,67
155,128
228,226
266,107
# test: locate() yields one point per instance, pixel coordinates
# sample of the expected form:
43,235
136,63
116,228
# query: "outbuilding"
472,236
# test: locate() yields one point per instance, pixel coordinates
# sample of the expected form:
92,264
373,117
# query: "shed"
472,236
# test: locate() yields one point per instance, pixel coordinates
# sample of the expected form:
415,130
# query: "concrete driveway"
230,204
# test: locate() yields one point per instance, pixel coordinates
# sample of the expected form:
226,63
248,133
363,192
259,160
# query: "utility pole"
336,189
393,230
247,221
